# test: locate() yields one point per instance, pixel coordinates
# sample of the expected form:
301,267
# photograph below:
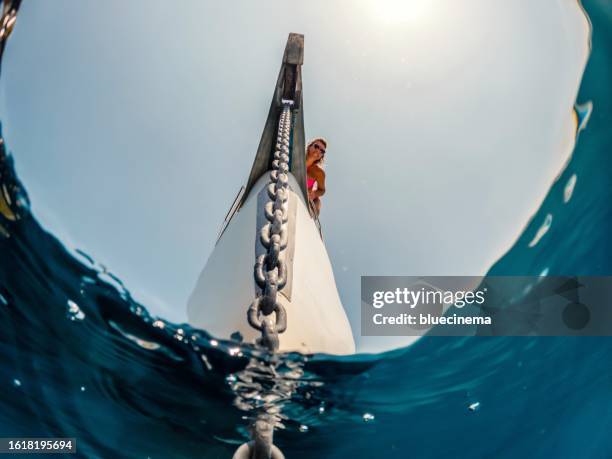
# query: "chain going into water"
270,270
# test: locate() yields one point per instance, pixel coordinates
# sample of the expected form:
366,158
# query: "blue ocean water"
80,358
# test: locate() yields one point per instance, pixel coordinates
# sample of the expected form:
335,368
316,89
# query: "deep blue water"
80,358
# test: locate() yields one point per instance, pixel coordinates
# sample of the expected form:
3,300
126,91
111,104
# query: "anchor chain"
266,313
8,16
270,270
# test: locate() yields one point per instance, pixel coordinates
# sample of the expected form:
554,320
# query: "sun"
402,12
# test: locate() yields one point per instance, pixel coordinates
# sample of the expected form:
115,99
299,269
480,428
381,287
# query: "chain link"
270,270
8,18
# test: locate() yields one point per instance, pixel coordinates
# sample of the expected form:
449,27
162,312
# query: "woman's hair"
317,139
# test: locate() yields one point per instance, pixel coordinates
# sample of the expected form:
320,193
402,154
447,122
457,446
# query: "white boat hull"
316,320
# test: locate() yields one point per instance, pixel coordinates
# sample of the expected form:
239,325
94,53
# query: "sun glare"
398,12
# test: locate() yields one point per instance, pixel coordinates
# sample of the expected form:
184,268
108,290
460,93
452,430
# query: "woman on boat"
315,175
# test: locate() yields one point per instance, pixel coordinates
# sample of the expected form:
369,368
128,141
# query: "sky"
134,124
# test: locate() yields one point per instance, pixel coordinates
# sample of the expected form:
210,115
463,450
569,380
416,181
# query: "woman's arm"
319,175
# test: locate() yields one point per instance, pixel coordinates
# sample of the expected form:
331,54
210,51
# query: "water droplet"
303,428
159,324
542,230
82,388
180,334
583,113
474,406
569,188
367,417
527,289
235,351
206,362
321,409
16,382
74,312
148,345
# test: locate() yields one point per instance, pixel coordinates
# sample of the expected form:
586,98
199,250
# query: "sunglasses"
320,148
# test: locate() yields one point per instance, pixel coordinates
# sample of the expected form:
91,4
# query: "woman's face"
316,151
